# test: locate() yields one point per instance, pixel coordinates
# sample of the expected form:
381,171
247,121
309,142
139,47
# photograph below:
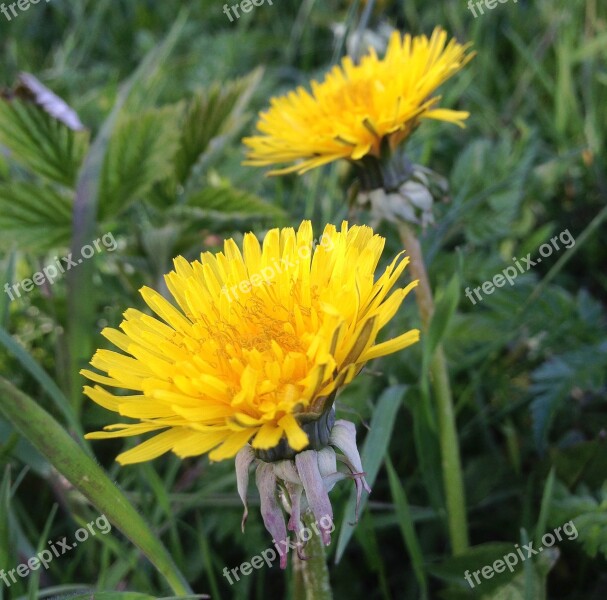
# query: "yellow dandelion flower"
357,107
256,344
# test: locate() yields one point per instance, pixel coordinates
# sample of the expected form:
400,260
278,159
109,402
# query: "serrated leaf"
454,568
139,154
527,587
529,584
34,217
228,200
30,88
553,381
587,512
465,571
212,117
40,142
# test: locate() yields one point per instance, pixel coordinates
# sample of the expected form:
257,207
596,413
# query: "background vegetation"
166,90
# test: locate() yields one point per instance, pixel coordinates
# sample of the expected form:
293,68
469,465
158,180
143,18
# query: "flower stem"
449,447
314,568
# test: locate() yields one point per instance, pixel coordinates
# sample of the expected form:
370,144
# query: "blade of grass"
366,537
372,455
529,571
405,522
53,442
5,499
545,507
46,383
80,281
34,580
208,564
8,276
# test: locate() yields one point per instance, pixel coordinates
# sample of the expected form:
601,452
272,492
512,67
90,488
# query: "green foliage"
588,513
138,155
35,217
55,444
212,118
40,142
160,167
372,453
494,209
225,199
554,381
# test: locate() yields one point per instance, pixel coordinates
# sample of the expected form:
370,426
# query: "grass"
527,363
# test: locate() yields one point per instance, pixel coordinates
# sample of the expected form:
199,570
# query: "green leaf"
84,474
583,461
554,380
455,568
407,528
464,572
45,381
367,538
531,583
133,596
585,515
139,154
212,117
228,200
34,579
5,504
34,217
372,456
15,447
40,142
82,314
545,506
113,596
427,447
9,274
443,313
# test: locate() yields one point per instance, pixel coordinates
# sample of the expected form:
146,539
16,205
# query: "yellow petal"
152,448
123,430
267,437
296,436
197,443
393,345
232,445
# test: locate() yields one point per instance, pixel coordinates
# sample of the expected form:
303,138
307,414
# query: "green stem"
314,569
299,584
450,456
